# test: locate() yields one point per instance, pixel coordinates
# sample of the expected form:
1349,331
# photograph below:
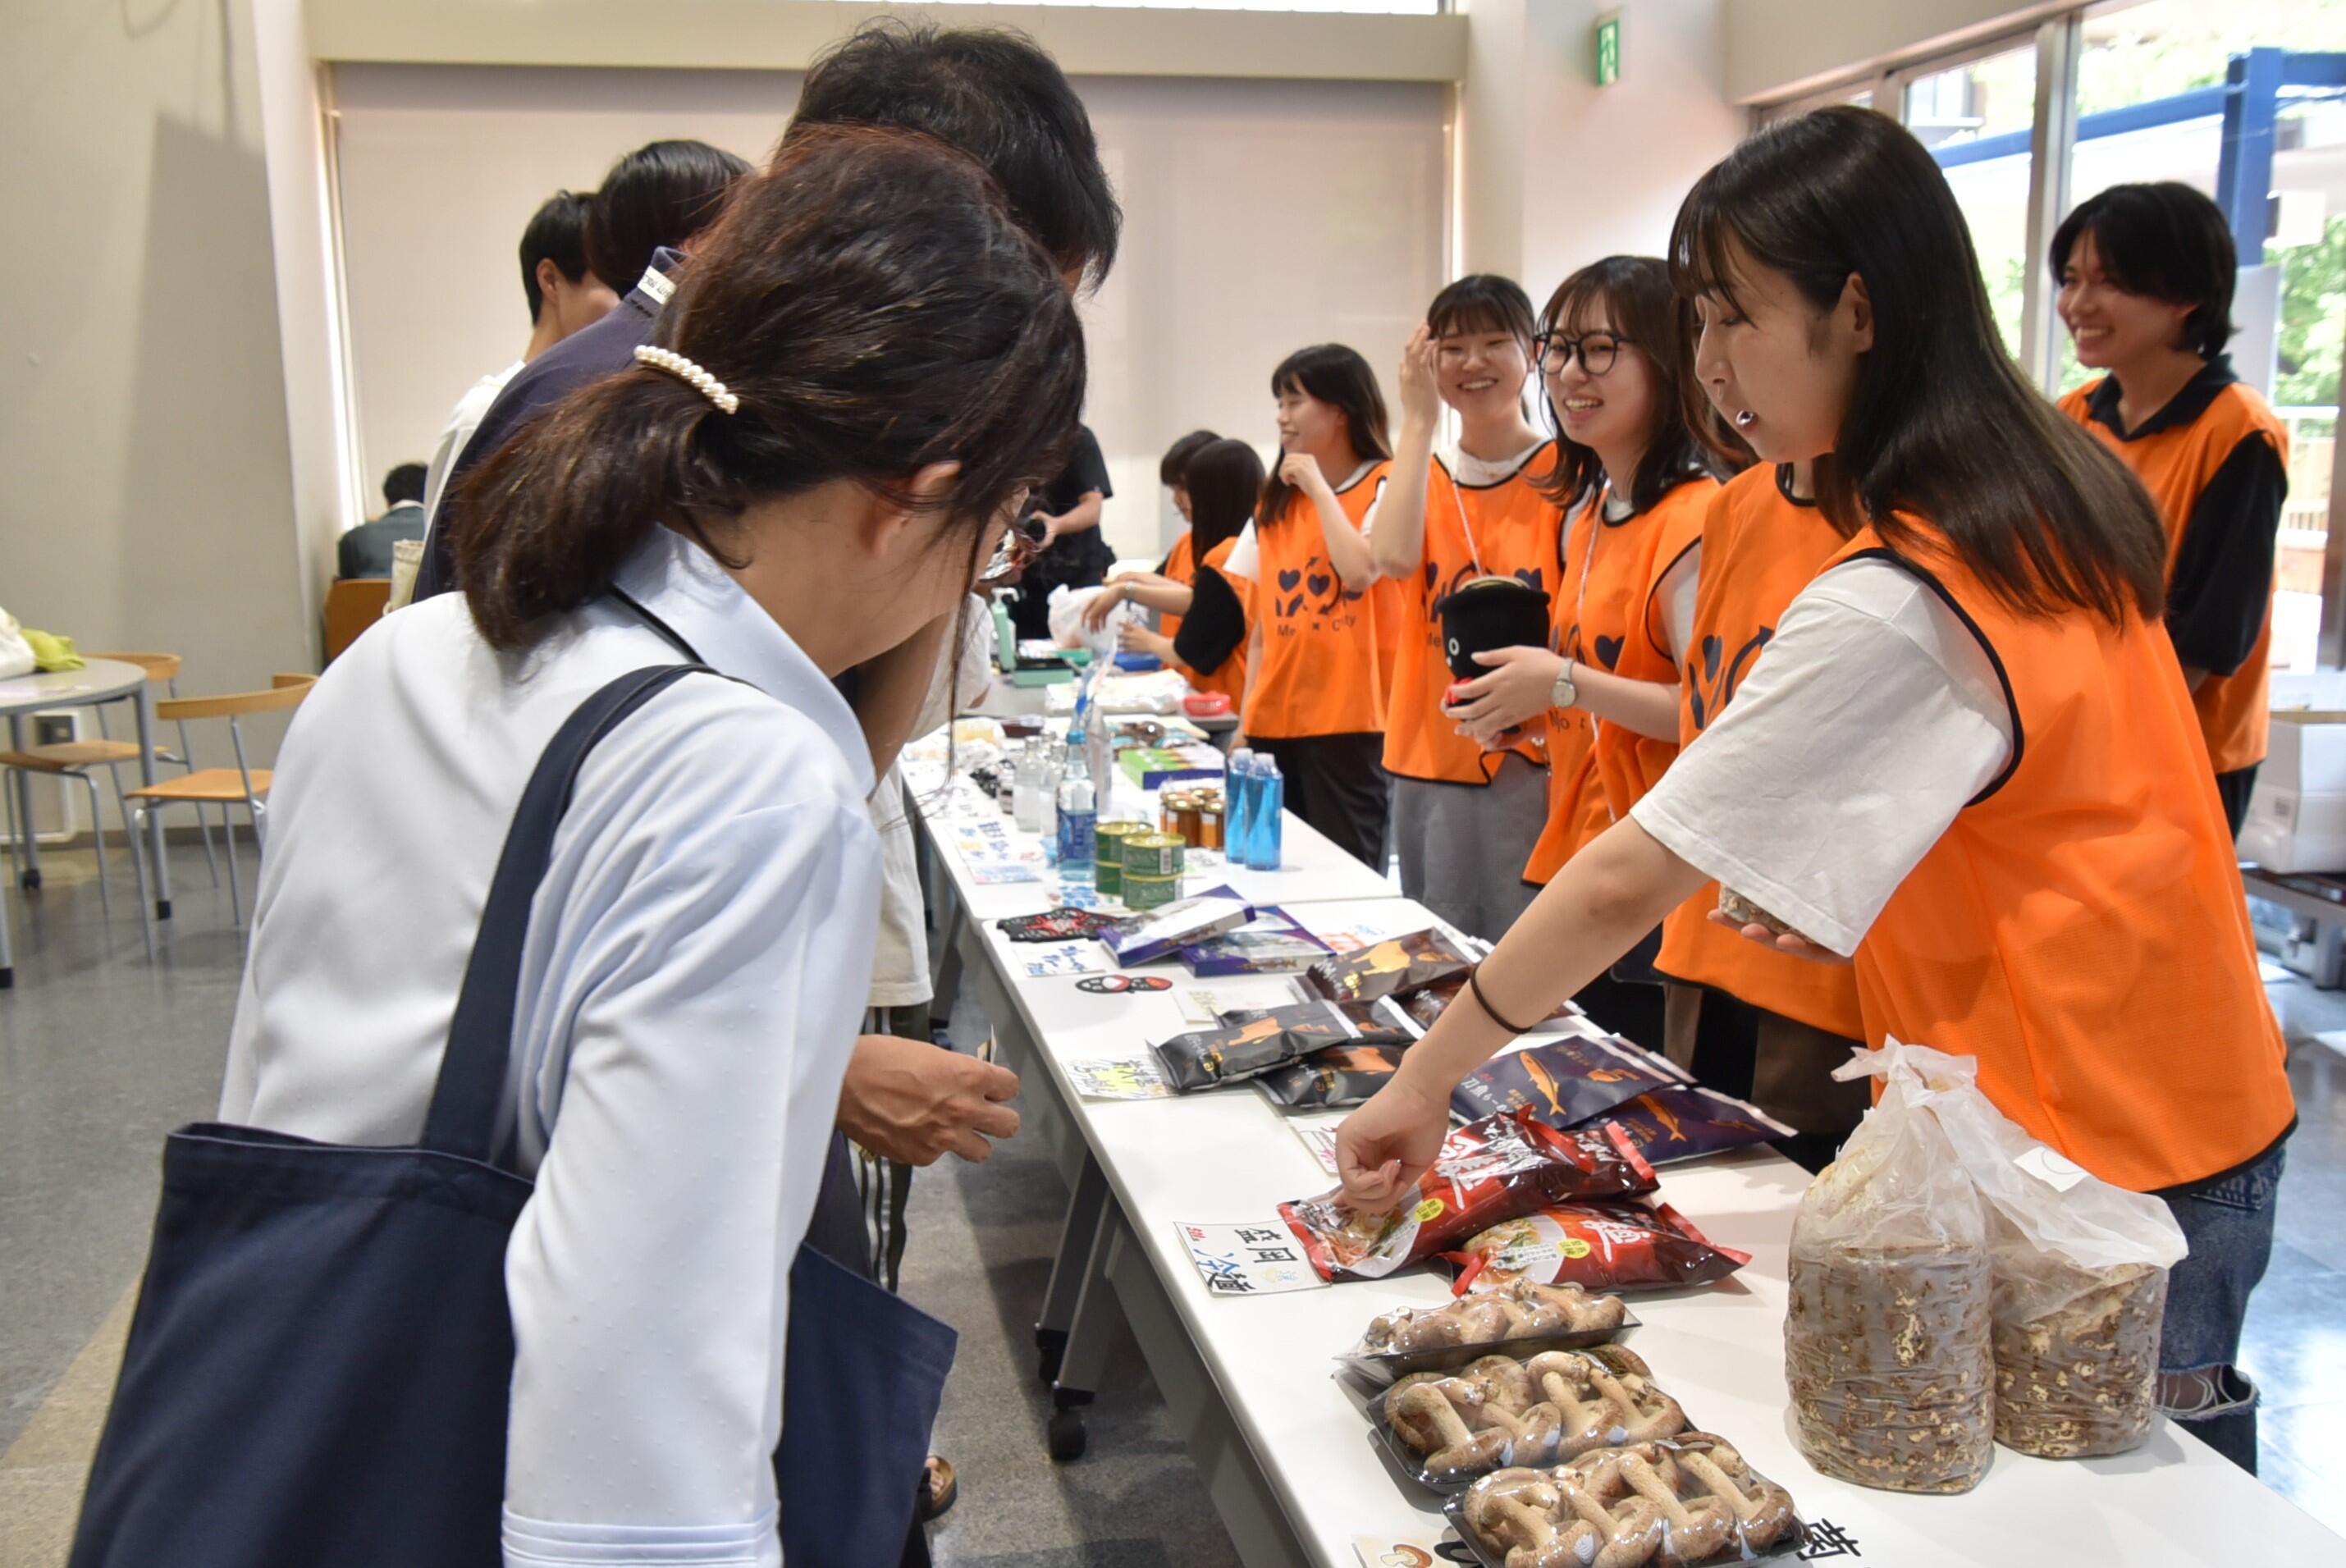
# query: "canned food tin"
1151,893
1152,855
1107,854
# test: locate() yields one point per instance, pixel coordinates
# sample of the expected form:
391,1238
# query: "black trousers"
2234,789
1337,783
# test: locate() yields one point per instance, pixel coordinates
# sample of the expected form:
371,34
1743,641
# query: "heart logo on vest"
1289,580
1432,575
1531,578
1608,652
1319,583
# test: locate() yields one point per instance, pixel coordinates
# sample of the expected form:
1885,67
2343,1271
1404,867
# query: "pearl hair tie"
677,365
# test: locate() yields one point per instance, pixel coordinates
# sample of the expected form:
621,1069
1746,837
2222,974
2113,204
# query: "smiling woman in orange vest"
1315,697
2146,276
1465,819
1956,763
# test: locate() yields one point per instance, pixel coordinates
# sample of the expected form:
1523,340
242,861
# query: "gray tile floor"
103,1051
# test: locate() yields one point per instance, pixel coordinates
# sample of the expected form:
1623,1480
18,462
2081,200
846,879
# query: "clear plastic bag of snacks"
1886,1341
2080,1272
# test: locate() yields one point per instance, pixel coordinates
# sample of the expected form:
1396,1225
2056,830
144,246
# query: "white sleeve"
1675,594
714,983
1245,558
1368,518
1872,718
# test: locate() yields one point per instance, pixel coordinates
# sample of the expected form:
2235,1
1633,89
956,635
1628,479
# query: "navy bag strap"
463,1120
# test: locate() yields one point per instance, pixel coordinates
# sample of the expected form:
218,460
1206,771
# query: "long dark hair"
1340,378
663,193
1223,478
1637,301
875,306
1941,426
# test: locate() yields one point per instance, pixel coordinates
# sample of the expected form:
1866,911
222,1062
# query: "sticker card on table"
1120,1078
1320,1140
1249,1259
1426,1548
1067,958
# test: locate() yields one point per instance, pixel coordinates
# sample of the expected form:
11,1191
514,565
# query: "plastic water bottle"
1078,817
1046,801
1237,790
1264,824
1027,807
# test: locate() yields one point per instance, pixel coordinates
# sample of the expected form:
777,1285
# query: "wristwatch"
1564,693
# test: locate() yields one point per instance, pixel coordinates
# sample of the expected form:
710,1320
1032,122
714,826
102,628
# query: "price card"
1249,1259
1120,1078
1425,1548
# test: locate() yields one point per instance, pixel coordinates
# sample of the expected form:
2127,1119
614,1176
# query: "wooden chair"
76,759
352,604
221,786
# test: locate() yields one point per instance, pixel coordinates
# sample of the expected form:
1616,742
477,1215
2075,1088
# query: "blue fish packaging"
1565,1082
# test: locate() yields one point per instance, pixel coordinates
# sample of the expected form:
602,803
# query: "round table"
101,680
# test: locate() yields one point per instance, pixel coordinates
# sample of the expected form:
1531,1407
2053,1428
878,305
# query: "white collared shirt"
463,421
692,982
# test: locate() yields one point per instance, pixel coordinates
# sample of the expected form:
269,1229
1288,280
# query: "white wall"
1259,216
146,492
1779,47
1560,171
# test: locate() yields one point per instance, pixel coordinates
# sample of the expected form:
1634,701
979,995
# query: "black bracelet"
1475,984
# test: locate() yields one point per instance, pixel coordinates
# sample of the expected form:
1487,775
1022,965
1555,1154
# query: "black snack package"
1565,1082
1337,1076
1689,1121
1395,967
1254,1044
1370,1024
1425,1006
1055,925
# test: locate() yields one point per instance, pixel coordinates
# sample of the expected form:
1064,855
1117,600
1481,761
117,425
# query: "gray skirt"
1463,847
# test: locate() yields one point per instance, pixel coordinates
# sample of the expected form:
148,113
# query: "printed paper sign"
1120,1078
1199,1005
1067,958
1249,1259
1427,1548
1321,1141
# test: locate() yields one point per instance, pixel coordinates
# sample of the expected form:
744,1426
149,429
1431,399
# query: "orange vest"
2175,466
1606,573
1320,673
1230,679
1759,549
2081,927
1180,567
1514,530
1628,763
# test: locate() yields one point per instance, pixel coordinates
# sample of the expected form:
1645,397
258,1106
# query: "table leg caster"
30,880
1068,1437
1053,1343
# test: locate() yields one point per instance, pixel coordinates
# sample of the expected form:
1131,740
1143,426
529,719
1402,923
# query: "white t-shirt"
1246,556
463,421
1875,716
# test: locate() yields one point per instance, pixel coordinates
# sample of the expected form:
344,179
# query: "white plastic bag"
1886,1342
15,653
1068,628
2080,1277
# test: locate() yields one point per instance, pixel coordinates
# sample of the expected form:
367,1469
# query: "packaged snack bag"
1494,1170
1609,1247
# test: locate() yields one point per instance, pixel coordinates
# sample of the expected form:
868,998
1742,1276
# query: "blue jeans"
2229,1221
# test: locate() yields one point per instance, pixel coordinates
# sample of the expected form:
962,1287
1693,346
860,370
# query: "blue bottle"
1238,779
1265,821
1077,818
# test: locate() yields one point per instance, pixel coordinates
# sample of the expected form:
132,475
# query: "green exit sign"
1609,50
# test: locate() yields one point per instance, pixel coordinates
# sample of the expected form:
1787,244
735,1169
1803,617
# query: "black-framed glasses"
1596,351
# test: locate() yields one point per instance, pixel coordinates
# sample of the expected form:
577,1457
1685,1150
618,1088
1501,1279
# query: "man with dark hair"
563,296
651,204
365,550
1000,99
1073,554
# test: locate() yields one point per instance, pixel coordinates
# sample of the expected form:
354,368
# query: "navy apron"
319,1368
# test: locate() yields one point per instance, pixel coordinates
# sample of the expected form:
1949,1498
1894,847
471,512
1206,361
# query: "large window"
2243,100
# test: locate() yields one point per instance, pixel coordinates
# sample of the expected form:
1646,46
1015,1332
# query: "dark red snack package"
1395,967
1499,1167
1600,1247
